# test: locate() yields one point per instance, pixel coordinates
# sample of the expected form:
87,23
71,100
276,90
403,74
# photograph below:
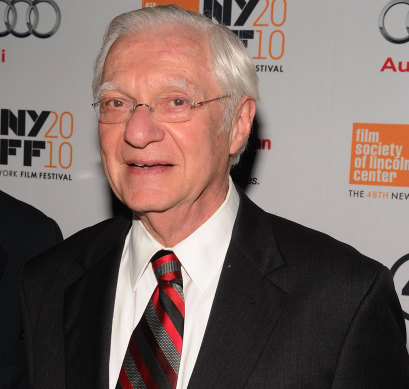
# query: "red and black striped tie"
153,356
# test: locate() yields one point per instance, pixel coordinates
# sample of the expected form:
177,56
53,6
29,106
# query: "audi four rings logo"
381,22
32,16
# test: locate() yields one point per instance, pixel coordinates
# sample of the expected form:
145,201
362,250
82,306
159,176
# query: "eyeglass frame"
192,105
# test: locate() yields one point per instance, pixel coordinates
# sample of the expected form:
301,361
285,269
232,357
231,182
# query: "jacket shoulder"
303,251
298,242
19,219
80,249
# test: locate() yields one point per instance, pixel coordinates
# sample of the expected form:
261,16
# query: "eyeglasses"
172,109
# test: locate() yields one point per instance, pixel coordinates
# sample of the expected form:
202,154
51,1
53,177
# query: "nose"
141,129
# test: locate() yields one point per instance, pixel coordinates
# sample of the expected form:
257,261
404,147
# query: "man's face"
155,166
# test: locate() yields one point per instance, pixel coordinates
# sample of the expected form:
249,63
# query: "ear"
242,122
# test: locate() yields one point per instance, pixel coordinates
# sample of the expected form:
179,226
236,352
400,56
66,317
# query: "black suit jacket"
24,233
293,309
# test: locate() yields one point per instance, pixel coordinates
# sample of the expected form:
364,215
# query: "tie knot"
166,266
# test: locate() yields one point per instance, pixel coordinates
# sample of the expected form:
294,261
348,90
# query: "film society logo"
259,24
36,145
400,272
394,26
380,157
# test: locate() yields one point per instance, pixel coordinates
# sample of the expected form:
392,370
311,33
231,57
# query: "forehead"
167,54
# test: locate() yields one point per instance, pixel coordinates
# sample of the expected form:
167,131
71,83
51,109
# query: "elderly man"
186,294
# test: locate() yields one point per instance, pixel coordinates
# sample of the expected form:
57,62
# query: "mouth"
149,165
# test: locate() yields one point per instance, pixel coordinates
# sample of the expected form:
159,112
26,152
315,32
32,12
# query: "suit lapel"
247,304
88,311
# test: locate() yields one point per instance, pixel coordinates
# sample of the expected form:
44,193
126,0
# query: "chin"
143,203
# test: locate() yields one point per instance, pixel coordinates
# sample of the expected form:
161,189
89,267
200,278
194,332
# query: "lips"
148,165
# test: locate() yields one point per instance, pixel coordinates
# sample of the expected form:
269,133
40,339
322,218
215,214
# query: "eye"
115,103
177,102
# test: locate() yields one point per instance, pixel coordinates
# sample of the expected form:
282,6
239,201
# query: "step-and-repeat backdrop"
330,147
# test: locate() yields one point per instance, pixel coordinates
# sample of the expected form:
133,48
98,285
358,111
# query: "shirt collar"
201,254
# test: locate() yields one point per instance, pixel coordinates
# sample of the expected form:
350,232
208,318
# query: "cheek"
108,144
204,147
109,141
210,157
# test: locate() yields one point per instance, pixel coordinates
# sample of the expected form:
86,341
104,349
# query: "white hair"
233,69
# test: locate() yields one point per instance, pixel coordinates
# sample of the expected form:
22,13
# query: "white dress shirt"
201,254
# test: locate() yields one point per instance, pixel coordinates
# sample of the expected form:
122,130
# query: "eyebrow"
109,86
181,83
